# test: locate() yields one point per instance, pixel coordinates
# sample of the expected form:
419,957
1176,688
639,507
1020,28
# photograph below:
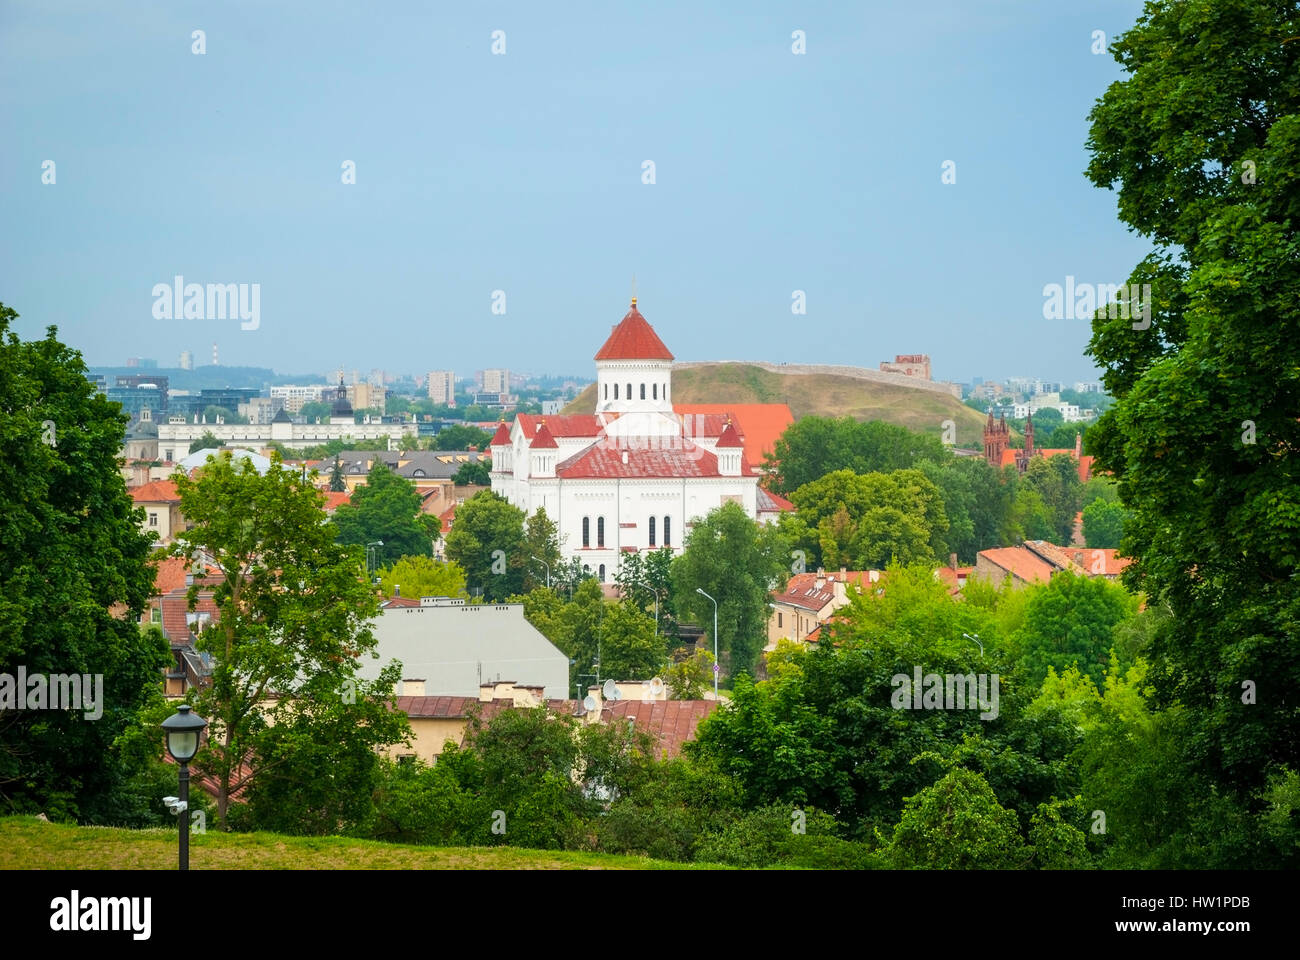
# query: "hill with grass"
864,396
29,843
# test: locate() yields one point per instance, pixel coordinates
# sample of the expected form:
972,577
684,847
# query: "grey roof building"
454,647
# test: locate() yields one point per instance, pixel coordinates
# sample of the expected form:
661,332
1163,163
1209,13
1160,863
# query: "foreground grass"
30,844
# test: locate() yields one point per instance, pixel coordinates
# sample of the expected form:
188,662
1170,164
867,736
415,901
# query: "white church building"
633,475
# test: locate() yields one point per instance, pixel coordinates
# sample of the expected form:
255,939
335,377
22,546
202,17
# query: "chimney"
413,688
397,589
952,560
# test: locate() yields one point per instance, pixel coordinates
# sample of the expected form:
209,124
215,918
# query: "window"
778,620
655,391
155,615
652,531
600,536
586,531
602,573
607,391
629,391
643,391
668,532
616,391
153,519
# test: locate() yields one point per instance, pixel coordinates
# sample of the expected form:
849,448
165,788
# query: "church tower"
996,435
633,369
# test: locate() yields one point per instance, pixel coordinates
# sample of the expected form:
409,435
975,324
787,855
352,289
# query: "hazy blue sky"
522,172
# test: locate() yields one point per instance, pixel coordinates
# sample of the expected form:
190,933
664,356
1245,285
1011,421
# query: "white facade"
631,476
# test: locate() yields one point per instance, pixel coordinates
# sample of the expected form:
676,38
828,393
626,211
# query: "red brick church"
997,436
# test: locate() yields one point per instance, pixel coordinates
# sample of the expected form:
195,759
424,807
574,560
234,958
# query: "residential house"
457,646
810,600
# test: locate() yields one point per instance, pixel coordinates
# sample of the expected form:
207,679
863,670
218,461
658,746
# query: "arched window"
607,391
643,391
652,531
629,391
602,573
616,391
655,391
600,534
668,531
586,531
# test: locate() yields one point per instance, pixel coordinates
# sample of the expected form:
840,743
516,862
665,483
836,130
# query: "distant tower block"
214,353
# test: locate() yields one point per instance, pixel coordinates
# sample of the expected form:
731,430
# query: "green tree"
629,649
292,623
337,483
541,543
212,412
863,521
386,507
689,677
1056,480
645,579
812,447
737,562
462,437
1200,143
487,540
474,473
1103,524
1070,622
205,442
313,410
958,824
423,577
70,548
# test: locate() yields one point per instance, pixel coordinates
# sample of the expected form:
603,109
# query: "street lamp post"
370,558
548,571
183,730
716,667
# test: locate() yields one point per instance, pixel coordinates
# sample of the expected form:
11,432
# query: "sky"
516,180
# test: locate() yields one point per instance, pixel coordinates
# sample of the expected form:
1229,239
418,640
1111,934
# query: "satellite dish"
656,685
589,703
610,690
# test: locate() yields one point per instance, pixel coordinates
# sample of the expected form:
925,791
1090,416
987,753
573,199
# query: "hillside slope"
819,395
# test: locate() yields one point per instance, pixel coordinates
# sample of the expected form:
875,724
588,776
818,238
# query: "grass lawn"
30,844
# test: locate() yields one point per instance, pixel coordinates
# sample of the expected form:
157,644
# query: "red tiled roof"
1021,562
502,436
672,722
562,425
729,437
801,590
769,502
393,602
335,499
446,518
543,440
633,339
156,491
174,610
1085,461
671,457
171,574
759,424
451,708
